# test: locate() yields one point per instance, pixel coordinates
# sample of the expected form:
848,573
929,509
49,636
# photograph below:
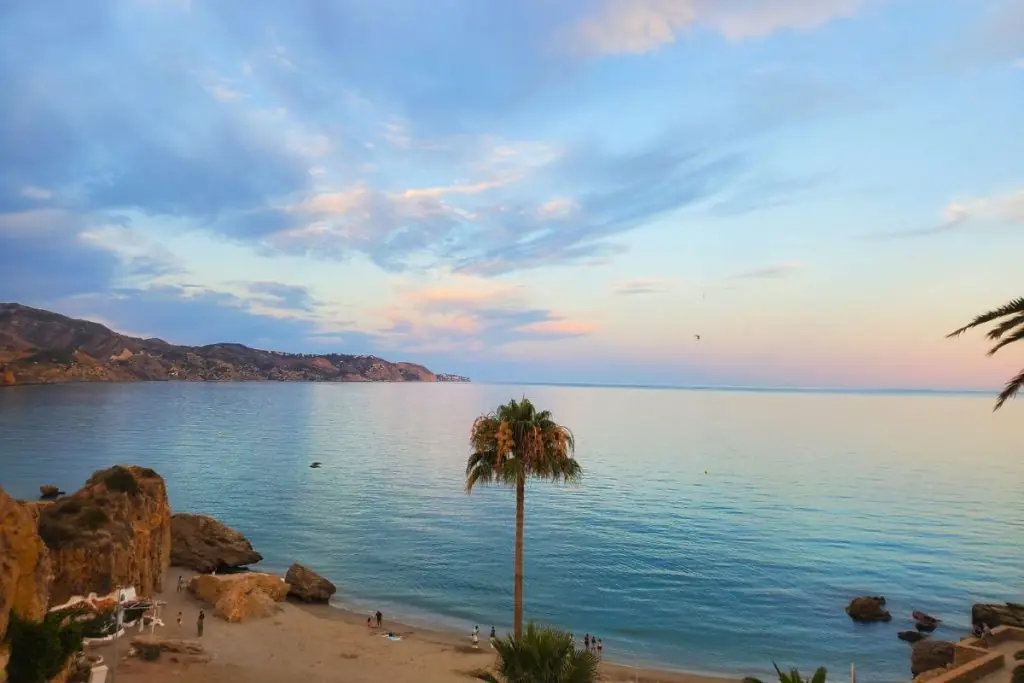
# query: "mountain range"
43,347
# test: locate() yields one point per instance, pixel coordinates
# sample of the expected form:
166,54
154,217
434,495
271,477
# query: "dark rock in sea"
926,626
930,654
911,636
315,465
1008,614
49,491
868,608
202,543
306,585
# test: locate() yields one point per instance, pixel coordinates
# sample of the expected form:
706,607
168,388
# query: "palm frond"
544,654
1010,390
820,675
1014,307
1005,326
1015,337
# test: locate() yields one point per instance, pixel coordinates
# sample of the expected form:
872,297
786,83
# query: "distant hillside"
42,347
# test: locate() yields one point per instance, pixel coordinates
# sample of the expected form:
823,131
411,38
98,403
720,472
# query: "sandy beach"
321,643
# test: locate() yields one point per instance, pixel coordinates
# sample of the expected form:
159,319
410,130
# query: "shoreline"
330,642
620,670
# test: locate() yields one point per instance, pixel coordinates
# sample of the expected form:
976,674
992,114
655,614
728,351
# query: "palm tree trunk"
520,513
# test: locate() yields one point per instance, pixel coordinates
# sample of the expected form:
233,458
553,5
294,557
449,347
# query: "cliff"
115,531
24,569
42,347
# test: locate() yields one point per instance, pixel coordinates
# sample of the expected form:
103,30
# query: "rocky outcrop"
24,569
931,654
1007,614
204,544
240,597
115,531
911,636
306,585
49,491
41,347
868,608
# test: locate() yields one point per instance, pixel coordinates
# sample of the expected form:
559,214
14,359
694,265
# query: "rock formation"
202,543
930,654
911,636
868,608
240,597
306,585
24,569
115,531
1009,614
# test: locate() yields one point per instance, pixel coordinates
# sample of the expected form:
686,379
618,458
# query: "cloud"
774,272
283,296
639,26
473,316
999,209
636,287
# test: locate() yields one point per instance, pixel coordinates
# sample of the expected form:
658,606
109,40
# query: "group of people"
200,620
476,637
593,644
378,616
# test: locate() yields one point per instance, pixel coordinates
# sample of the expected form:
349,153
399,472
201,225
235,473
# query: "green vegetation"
1018,655
1010,329
793,676
515,443
541,655
40,649
65,521
118,478
1018,675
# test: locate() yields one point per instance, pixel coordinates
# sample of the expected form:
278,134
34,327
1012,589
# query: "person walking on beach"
600,648
199,623
586,642
380,618
493,637
181,583
179,620
476,638
369,622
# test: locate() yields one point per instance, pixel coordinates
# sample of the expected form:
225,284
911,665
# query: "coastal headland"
42,347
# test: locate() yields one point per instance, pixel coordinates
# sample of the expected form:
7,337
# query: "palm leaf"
1015,337
1005,326
820,675
1014,307
1010,390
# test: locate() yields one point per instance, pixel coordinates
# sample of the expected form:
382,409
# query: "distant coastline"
43,347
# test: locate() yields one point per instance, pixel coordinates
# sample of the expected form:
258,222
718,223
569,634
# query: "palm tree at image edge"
542,655
514,443
1008,330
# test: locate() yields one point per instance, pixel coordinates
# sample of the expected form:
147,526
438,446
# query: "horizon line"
750,388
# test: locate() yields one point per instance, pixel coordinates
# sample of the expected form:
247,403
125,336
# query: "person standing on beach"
179,620
600,648
181,583
199,623
369,622
586,642
493,637
380,618
476,638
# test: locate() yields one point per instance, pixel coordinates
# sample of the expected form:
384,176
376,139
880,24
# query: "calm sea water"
714,531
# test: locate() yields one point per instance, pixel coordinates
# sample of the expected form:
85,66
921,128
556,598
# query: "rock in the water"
239,597
24,565
115,531
868,608
911,636
308,586
202,543
49,491
1008,614
930,654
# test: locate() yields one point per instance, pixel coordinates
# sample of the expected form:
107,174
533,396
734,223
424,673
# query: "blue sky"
536,190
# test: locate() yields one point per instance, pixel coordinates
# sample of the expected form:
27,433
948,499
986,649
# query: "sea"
714,531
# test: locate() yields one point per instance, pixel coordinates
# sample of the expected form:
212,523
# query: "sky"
527,190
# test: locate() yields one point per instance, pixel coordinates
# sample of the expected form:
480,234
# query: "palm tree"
542,655
793,676
515,443
1008,331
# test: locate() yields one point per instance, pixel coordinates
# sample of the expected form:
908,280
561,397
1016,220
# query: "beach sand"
319,643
